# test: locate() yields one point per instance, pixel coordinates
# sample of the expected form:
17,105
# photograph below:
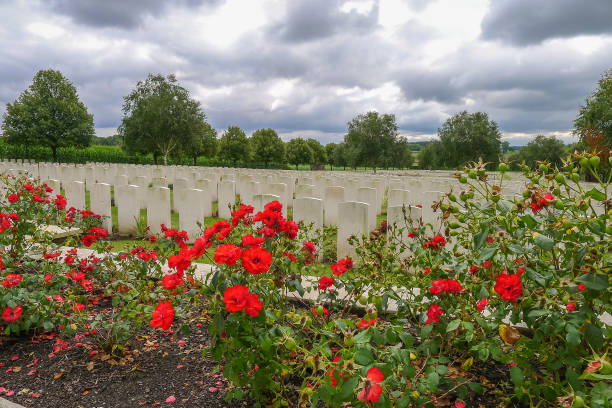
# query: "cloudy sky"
306,67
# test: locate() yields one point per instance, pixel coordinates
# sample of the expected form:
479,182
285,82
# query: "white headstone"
352,220
100,199
158,208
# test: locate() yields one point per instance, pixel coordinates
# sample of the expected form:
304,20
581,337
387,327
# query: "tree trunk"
296,167
166,159
195,159
54,149
155,159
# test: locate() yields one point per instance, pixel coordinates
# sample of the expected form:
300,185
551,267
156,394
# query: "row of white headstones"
349,200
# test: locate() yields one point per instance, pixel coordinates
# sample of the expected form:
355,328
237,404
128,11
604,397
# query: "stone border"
4,403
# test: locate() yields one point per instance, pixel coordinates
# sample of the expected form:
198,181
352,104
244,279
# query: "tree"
401,155
298,152
318,152
330,152
48,113
370,139
340,155
466,137
160,117
540,149
234,145
204,143
596,114
430,155
267,146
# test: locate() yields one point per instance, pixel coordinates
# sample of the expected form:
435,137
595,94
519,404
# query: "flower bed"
520,284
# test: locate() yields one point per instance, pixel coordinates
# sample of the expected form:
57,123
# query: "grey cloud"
118,13
308,20
524,22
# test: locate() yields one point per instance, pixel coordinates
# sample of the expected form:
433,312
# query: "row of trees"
162,119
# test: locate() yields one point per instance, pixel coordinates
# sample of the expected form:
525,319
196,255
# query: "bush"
523,284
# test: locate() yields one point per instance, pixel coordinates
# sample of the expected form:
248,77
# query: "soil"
160,369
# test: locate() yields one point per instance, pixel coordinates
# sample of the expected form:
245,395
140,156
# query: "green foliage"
340,155
49,113
330,153
370,139
298,152
401,155
113,140
267,146
596,113
541,148
319,155
205,143
234,145
430,156
467,137
160,117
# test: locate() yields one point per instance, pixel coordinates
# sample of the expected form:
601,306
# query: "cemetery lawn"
152,369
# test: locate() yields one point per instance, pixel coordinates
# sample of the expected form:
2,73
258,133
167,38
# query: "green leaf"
544,242
406,338
504,206
596,194
535,276
363,337
476,387
348,388
363,356
433,379
594,336
529,221
487,253
341,325
516,375
516,248
573,337
594,281
481,238
453,325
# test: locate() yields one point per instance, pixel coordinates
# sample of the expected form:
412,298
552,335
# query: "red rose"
509,287
253,305
172,281
163,315
11,315
251,241
291,229
482,303
473,269
342,266
256,260
238,298
372,390
88,240
12,279
227,254
445,285
486,264
13,198
365,323
289,255
433,314
325,282
570,307
273,206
